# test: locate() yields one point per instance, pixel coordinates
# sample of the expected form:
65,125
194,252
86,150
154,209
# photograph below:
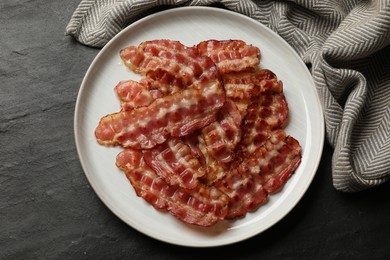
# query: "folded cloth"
344,43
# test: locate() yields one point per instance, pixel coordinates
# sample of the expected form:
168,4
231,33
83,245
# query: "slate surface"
49,211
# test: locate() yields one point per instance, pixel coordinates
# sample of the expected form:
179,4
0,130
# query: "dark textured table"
47,208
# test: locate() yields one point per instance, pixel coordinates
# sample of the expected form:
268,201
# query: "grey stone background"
49,211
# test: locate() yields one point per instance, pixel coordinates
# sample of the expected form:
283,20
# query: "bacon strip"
154,57
265,171
267,113
222,136
281,166
133,94
202,206
174,162
245,193
218,140
244,87
230,55
175,115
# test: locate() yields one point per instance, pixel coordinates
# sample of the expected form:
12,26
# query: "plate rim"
83,87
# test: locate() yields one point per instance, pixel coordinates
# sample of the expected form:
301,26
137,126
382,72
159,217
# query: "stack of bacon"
202,131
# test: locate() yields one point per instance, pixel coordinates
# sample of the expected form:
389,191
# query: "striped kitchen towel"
346,44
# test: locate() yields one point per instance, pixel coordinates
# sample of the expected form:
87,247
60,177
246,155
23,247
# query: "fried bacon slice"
265,171
245,193
175,115
230,55
152,58
222,136
133,94
244,87
267,113
274,165
218,140
174,162
203,206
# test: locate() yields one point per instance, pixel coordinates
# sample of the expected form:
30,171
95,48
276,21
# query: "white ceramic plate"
191,25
